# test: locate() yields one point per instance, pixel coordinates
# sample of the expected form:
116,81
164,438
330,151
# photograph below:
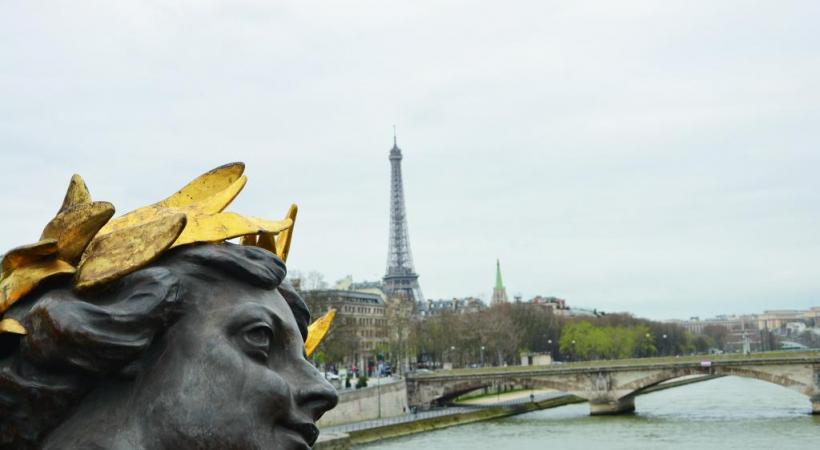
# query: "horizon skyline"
484,299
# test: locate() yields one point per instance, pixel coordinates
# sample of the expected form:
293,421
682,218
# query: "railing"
812,356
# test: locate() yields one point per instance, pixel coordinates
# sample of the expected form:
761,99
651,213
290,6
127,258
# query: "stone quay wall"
364,404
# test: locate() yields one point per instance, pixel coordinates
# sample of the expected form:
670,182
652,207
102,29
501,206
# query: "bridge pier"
815,406
624,405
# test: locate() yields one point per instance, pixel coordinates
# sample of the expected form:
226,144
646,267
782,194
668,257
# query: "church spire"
499,292
498,283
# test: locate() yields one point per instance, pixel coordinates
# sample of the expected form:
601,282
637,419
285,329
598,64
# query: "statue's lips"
307,430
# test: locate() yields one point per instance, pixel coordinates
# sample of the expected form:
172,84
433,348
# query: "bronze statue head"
199,346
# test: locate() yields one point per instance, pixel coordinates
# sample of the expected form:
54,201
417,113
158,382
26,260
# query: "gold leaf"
27,254
11,326
208,194
75,227
206,185
121,252
284,238
24,279
318,330
220,200
226,225
77,193
267,241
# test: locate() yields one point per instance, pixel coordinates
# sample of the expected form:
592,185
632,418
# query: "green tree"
718,334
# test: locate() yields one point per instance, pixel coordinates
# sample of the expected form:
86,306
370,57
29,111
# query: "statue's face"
231,373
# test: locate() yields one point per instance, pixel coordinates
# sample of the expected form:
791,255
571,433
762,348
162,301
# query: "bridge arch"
802,384
620,396
457,391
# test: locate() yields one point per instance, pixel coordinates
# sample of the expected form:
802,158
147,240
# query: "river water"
725,413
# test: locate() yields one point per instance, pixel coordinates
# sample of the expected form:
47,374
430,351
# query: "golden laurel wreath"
83,241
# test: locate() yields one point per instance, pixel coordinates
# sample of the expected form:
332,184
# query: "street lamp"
664,344
572,352
452,349
648,338
379,391
482,356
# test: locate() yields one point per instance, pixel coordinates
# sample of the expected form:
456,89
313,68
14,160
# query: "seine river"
725,413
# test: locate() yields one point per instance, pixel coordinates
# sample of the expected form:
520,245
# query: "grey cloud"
657,158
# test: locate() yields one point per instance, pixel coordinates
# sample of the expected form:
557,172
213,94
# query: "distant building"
368,286
499,292
535,359
732,323
456,306
363,312
743,334
372,287
555,305
795,328
581,312
775,320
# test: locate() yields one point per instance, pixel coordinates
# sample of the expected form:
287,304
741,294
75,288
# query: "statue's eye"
259,336
258,339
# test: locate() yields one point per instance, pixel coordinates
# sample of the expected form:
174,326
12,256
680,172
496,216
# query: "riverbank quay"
347,436
727,413
384,398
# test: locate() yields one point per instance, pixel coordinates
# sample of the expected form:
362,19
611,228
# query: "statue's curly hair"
75,342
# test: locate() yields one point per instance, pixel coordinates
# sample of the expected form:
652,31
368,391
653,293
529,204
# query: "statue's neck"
104,419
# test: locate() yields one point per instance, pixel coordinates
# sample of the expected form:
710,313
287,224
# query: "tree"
584,340
399,313
702,343
718,335
536,327
313,281
498,333
341,341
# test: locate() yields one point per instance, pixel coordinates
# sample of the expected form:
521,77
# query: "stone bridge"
611,387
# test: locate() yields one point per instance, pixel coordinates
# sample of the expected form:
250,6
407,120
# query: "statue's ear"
102,337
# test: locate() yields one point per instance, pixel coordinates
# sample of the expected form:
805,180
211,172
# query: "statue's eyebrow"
251,311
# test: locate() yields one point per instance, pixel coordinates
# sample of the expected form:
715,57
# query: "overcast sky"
654,157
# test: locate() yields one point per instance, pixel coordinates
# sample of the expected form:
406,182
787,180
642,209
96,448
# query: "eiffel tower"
400,280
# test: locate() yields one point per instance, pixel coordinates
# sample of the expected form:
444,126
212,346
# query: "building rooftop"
347,296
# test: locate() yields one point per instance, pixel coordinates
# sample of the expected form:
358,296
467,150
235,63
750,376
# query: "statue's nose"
315,396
